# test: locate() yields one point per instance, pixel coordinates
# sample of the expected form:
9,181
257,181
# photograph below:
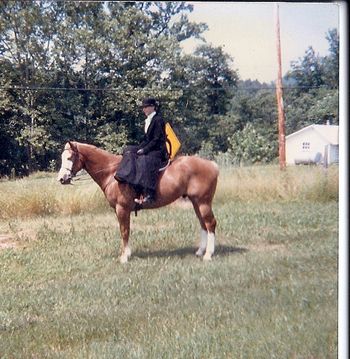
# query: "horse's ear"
72,145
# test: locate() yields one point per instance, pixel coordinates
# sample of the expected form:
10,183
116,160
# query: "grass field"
269,292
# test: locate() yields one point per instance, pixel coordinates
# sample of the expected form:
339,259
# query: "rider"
140,164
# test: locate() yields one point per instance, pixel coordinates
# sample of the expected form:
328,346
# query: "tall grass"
41,194
269,183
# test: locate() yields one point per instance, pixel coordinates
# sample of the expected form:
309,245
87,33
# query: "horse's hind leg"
208,224
203,234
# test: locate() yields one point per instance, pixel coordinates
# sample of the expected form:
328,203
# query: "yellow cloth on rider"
172,143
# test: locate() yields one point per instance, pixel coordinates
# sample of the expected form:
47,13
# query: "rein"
77,178
105,168
76,152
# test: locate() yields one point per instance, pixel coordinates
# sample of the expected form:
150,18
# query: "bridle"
76,153
69,174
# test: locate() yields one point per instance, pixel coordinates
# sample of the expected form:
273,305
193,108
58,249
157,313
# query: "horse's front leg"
123,216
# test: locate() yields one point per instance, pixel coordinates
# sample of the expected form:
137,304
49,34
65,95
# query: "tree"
331,62
319,106
251,145
311,92
307,72
78,70
142,52
96,62
207,81
25,37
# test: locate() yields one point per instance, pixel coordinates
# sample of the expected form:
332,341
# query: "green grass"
270,291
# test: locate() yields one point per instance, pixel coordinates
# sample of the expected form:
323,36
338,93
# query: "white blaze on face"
66,166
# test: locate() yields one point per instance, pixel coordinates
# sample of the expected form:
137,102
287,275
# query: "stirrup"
139,200
144,199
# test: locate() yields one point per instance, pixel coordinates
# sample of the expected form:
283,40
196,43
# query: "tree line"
78,71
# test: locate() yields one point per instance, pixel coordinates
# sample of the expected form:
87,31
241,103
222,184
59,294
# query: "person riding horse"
140,164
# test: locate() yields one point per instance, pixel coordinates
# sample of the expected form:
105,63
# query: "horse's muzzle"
66,179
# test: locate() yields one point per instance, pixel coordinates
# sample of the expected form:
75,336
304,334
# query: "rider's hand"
140,151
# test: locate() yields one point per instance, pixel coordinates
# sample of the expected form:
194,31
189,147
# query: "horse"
187,176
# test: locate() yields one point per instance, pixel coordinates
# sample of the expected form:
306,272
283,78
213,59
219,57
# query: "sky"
247,32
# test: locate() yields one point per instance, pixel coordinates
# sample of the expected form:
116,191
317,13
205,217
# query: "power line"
34,88
106,89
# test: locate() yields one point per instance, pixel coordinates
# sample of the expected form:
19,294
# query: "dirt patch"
6,241
17,240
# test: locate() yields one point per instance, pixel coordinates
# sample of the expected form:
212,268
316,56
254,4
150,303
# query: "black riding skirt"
140,170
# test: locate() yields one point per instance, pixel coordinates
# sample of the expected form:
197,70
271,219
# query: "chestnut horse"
187,176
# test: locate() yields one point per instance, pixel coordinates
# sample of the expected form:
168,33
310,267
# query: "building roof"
329,132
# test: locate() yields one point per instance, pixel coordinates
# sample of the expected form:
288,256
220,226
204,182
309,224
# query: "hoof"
207,257
200,252
125,255
123,259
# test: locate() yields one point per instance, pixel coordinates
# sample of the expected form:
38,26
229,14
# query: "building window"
306,146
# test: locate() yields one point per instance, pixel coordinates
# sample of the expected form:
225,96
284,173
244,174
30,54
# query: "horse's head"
71,163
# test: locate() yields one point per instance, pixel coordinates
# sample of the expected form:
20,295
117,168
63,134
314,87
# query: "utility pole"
279,94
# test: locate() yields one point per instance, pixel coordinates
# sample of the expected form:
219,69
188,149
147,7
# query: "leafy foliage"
78,70
312,94
251,145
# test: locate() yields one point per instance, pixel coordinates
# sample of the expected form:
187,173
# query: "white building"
313,144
